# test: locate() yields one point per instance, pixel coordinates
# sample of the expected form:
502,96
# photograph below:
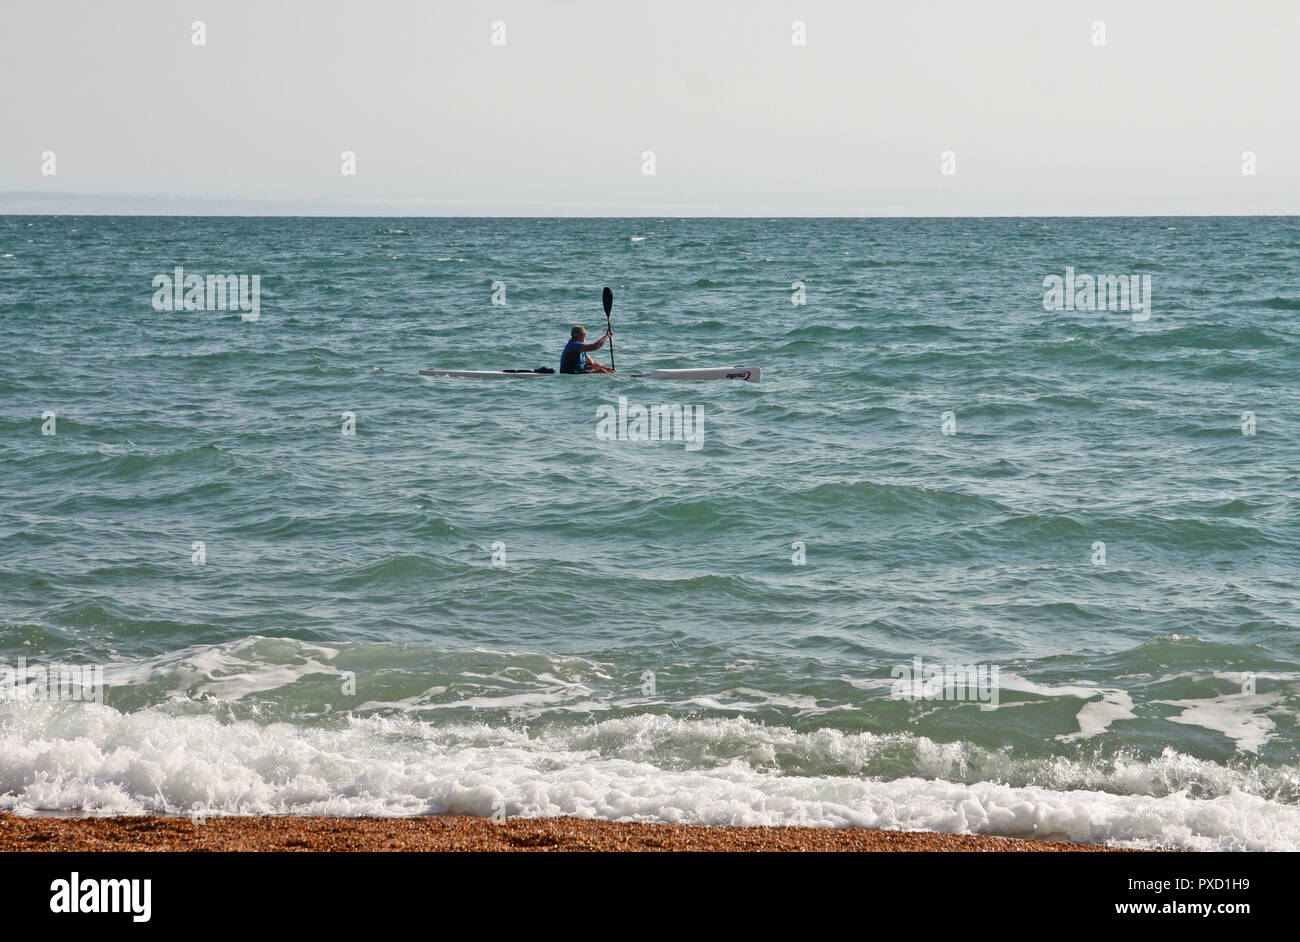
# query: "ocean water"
478,604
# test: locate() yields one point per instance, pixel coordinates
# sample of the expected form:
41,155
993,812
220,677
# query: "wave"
400,569
72,759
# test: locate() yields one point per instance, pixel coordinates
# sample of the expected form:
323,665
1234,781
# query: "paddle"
607,299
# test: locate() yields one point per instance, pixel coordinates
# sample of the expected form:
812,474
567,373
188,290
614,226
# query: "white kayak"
750,374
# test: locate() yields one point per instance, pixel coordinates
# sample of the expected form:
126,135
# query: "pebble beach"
457,833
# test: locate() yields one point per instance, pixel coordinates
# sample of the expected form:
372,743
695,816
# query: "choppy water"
1151,700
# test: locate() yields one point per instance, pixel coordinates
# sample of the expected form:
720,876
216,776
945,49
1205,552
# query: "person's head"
578,333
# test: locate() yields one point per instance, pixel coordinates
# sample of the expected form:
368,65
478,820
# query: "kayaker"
575,359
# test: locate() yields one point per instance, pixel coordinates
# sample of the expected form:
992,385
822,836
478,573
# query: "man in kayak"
575,359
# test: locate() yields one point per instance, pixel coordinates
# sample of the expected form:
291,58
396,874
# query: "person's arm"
587,348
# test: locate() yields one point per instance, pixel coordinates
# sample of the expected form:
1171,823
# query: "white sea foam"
1095,716
1236,716
227,672
165,759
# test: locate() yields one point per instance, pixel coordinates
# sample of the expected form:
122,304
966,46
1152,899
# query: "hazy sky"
741,120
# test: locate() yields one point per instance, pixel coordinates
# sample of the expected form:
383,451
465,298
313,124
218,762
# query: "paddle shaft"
607,298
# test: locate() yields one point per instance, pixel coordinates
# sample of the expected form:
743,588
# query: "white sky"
742,122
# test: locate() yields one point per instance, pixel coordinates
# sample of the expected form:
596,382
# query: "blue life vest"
573,360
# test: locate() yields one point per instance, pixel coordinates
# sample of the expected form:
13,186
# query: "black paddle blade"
607,299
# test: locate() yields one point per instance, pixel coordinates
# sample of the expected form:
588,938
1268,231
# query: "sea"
1005,541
